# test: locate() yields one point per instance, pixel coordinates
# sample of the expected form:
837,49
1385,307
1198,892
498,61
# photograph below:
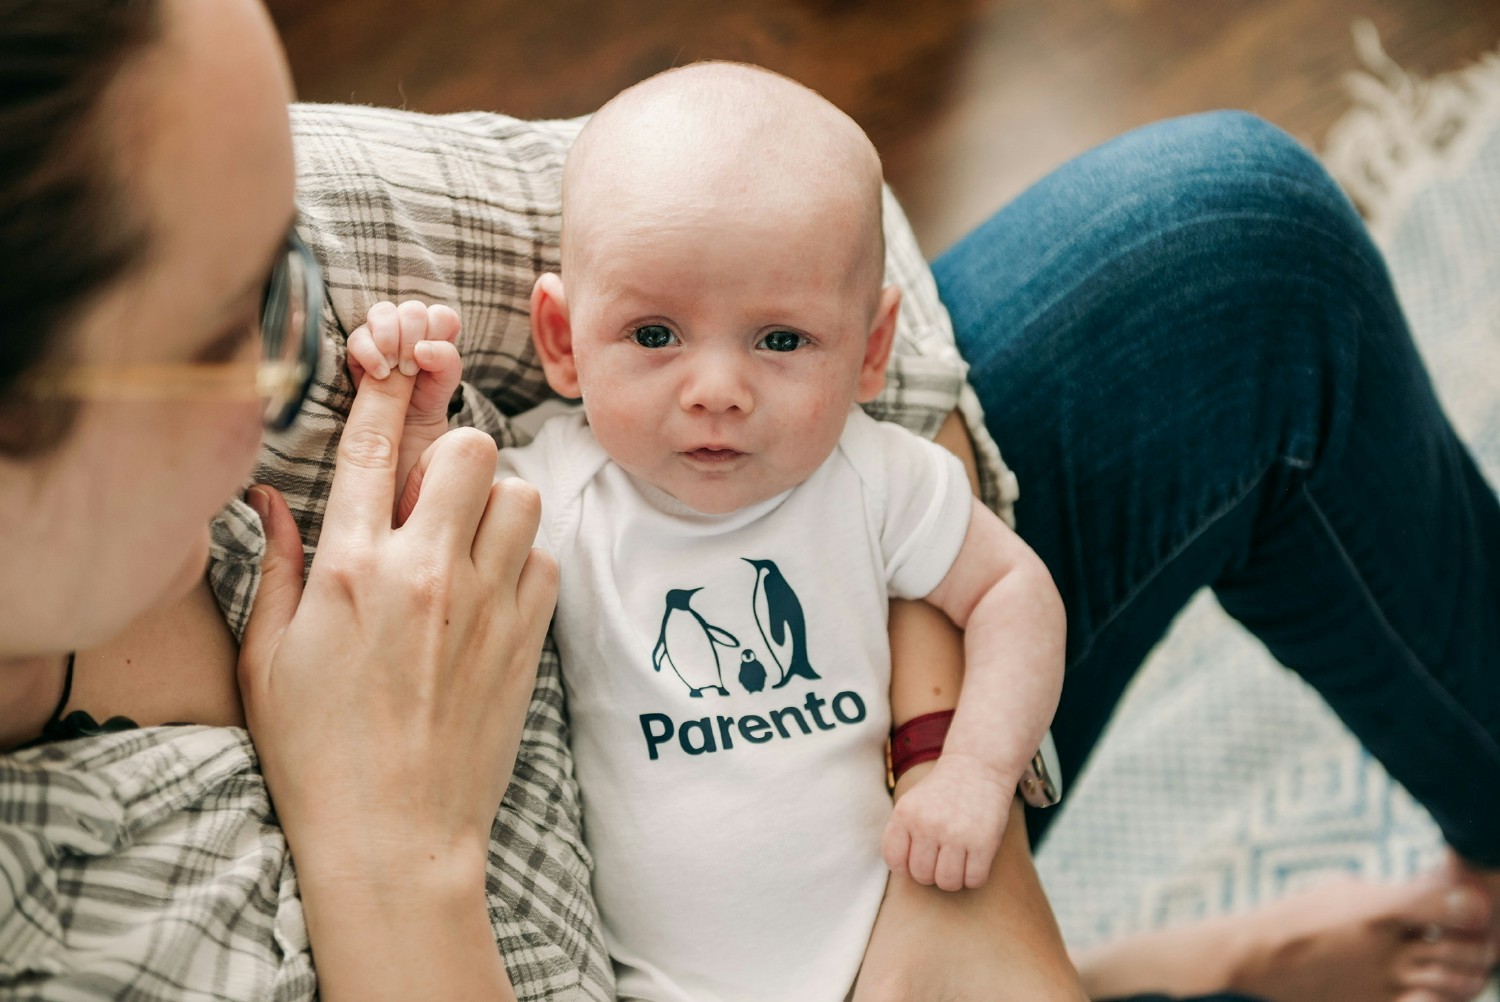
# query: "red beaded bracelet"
918,740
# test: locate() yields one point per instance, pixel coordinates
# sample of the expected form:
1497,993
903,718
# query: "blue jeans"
1190,353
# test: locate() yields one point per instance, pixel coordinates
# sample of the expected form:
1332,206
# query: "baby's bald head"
725,144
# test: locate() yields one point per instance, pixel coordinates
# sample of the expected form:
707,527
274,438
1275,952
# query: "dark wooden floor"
968,100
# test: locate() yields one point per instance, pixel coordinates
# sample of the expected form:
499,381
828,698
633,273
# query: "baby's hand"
947,828
413,339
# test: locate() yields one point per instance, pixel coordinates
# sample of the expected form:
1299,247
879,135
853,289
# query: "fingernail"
383,371
260,500
409,366
390,361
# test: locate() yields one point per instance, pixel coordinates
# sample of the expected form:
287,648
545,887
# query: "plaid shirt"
148,864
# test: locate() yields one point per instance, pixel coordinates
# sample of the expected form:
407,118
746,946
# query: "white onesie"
728,688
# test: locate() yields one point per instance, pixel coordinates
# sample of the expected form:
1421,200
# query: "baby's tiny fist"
365,356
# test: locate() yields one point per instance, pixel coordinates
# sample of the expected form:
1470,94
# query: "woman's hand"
387,697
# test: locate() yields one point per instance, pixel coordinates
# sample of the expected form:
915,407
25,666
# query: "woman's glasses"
289,346
289,334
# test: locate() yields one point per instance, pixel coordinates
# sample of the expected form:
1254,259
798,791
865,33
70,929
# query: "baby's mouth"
708,455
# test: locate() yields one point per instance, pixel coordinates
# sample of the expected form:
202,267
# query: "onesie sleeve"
918,496
548,462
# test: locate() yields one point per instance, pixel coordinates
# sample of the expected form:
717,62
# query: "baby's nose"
717,385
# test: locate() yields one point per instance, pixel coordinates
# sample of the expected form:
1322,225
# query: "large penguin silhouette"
778,613
690,644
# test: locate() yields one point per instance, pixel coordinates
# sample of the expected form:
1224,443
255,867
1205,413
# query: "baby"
730,528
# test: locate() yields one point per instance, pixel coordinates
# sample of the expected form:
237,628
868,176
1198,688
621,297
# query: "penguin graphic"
778,613
752,672
690,644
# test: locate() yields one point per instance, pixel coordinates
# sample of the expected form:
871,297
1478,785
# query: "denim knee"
1239,170
1220,198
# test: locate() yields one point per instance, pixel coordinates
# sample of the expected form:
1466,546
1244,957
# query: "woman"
135,432
387,705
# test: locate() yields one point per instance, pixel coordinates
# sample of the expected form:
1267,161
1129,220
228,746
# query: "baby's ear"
878,345
552,333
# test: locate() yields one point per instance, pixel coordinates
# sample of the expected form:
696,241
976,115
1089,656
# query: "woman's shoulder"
166,835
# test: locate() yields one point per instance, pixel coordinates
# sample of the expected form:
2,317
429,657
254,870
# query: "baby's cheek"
816,430
622,432
827,415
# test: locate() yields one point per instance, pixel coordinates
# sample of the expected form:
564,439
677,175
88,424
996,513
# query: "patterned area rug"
1225,781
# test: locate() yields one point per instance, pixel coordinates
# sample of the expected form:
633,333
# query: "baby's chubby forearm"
949,827
1014,634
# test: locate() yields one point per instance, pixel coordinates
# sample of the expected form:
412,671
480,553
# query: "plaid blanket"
148,864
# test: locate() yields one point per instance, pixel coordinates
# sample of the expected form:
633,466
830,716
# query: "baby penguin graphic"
752,672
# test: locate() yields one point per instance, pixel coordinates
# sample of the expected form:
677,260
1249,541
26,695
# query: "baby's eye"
653,336
782,341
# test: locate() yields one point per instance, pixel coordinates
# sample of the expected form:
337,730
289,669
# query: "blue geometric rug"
1224,781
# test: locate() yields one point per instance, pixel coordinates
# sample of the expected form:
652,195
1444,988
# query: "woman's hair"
65,232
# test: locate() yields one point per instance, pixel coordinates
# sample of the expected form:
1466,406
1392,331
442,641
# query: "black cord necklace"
67,693
79,723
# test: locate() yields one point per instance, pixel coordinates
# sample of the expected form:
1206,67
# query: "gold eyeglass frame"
280,382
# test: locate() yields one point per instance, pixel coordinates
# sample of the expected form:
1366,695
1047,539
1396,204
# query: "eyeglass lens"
289,334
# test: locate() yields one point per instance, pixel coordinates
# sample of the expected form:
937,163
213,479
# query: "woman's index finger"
364,474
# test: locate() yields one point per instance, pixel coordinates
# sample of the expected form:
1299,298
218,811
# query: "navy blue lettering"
701,727
652,738
814,705
859,707
778,715
706,735
754,729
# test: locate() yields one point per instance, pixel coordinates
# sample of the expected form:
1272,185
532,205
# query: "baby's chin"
725,501
713,487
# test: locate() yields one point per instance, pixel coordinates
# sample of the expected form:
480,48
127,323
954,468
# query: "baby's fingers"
895,845
441,371
439,358
922,860
364,355
977,867
442,323
412,319
384,326
948,873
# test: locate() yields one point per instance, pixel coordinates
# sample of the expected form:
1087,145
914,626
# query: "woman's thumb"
280,589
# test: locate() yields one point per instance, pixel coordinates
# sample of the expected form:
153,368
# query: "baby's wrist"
980,770
911,777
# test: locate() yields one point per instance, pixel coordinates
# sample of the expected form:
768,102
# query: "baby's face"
718,359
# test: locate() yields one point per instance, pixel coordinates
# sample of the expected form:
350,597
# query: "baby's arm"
413,339
948,825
